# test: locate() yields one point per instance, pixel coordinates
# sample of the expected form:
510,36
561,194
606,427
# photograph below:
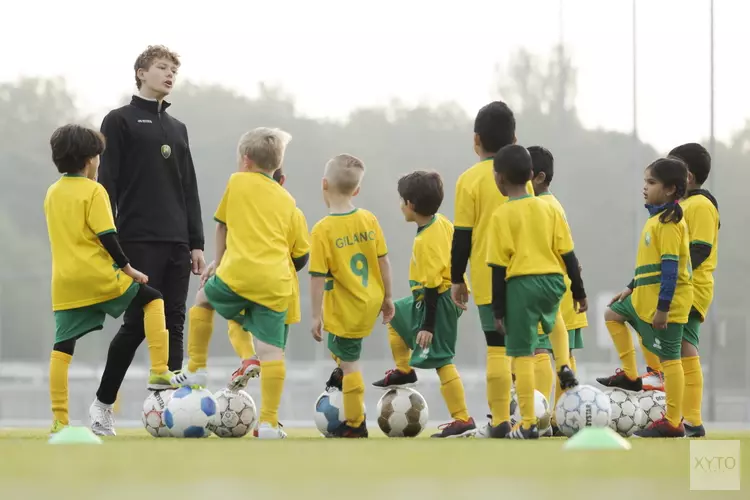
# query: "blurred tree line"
598,179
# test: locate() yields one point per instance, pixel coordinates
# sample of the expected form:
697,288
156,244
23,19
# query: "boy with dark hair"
543,164
149,175
91,276
423,332
530,250
476,200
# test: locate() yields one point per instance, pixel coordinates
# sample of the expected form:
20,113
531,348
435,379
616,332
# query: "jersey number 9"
360,268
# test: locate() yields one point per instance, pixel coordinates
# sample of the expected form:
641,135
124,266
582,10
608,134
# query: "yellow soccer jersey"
83,273
573,319
477,198
293,314
662,242
260,217
702,219
430,265
345,249
528,236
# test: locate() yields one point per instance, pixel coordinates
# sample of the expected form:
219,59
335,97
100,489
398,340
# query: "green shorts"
348,350
692,329
667,344
408,320
74,323
266,324
575,339
531,300
241,320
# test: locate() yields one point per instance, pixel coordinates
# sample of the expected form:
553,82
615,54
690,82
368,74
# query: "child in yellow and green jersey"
574,321
530,250
424,329
241,340
91,276
657,302
477,198
350,284
256,226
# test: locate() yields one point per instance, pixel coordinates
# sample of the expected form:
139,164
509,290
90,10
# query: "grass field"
134,465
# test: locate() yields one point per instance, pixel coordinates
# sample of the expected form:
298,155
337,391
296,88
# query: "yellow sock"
453,392
652,360
525,390
498,384
624,345
543,374
271,387
560,341
693,399
573,364
401,351
674,387
241,341
58,385
157,336
354,399
200,328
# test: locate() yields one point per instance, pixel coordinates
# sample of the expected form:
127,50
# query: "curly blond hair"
151,54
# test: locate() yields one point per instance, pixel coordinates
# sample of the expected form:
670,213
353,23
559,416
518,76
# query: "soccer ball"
236,414
153,411
402,413
541,409
582,406
654,405
329,411
190,412
627,415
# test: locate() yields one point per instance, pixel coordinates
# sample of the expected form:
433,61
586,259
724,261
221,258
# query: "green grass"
134,465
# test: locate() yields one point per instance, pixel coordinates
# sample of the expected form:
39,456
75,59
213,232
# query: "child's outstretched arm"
385,271
317,286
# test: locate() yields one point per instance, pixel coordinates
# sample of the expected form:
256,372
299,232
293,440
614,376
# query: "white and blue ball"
329,411
190,412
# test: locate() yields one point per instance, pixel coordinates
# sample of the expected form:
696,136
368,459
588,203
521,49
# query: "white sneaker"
483,431
267,431
102,419
187,378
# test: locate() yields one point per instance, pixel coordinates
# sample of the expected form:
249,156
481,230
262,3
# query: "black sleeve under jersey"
300,262
498,291
430,312
112,245
460,253
574,273
699,252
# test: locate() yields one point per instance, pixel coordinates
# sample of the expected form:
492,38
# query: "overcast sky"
334,55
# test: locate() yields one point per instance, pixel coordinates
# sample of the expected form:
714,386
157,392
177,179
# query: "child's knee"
268,352
688,350
201,300
610,315
350,367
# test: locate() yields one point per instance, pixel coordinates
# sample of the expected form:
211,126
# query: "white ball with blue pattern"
329,411
190,412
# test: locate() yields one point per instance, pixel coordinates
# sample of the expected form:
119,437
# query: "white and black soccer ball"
402,412
236,414
190,413
582,406
541,409
329,411
654,405
627,415
153,412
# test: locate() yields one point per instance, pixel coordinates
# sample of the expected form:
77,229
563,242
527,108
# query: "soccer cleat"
396,378
548,432
500,431
267,431
518,432
336,380
457,429
160,381
188,378
694,431
619,379
102,419
250,369
567,378
347,431
556,432
653,380
661,429
57,426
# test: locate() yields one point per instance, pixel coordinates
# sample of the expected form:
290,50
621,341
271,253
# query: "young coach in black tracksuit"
148,171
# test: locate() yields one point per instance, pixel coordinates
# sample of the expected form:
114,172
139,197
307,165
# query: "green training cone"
596,438
75,435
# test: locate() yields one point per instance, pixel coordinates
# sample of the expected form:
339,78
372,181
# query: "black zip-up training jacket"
152,189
